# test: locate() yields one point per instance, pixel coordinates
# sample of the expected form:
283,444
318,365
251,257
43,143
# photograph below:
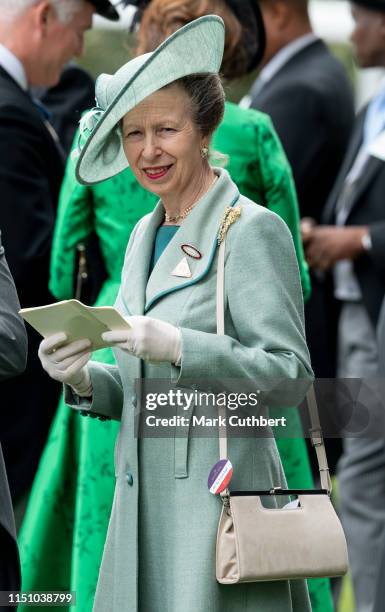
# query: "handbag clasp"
225,498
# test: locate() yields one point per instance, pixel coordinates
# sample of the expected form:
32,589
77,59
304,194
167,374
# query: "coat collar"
13,66
199,229
369,171
329,212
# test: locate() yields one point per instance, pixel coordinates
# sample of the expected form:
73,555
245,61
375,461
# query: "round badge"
220,476
191,251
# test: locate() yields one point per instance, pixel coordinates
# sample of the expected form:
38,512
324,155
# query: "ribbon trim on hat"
87,125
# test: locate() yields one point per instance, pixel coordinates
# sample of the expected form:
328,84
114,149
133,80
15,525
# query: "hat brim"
197,48
373,6
105,9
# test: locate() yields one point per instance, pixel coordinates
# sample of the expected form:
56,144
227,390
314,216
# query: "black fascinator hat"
250,17
105,9
375,5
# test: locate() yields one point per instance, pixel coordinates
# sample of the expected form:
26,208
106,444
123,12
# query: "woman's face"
162,144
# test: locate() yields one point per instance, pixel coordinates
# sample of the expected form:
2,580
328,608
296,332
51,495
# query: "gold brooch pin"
232,213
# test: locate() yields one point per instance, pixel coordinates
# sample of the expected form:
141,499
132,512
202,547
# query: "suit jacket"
311,104
66,101
13,354
381,349
31,170
264,340
367,208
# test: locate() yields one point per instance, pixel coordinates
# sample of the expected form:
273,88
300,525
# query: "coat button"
134,400
129,478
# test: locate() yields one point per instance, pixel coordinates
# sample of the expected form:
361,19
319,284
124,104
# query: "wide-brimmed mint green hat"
197,48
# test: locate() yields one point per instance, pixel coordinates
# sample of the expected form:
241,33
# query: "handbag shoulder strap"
317,440
221,332
315,431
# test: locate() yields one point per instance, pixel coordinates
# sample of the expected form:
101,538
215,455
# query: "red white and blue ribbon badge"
220,476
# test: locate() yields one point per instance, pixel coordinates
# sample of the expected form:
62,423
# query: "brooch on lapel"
182,269
191,251
232,213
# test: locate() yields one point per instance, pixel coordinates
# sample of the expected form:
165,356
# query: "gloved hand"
66,363
149,339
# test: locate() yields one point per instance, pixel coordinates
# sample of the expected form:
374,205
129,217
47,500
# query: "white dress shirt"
13,66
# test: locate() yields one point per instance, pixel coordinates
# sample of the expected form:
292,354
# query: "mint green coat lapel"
200,230
137,264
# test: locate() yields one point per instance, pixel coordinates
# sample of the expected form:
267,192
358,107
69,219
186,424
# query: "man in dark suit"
352,244
303,88
13,354
66,101
36,40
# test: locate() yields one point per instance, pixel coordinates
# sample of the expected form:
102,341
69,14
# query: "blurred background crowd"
303,134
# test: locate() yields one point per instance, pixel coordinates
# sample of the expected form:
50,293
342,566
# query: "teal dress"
164,235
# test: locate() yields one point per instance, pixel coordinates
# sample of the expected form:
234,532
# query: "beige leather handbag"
255,543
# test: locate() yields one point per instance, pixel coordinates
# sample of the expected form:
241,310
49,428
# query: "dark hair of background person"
300,6
163,17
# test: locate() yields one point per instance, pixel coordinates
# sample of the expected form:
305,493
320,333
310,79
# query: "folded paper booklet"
76,320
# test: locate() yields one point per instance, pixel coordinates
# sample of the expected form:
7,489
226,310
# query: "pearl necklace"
174,218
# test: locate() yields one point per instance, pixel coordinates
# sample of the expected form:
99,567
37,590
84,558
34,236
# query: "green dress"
63,534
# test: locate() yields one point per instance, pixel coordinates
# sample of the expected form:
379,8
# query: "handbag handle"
315,430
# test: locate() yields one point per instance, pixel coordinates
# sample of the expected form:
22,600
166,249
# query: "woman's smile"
157,173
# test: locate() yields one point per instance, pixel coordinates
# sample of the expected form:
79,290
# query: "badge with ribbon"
220,476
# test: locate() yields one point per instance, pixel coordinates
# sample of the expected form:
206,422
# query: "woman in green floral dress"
63,534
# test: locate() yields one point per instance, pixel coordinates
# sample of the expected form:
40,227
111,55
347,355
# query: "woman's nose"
150,149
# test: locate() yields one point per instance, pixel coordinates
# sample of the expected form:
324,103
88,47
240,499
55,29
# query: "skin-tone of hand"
149,339
65,362
324,245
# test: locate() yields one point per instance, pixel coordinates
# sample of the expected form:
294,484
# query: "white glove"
67,362
148,339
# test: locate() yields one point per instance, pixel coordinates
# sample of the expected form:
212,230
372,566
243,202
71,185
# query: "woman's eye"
133,134
168,130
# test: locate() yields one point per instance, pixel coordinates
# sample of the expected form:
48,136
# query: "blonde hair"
163,17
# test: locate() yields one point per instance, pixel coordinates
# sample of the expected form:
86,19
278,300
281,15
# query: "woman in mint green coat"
65,526
158,115
163,522
75,475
